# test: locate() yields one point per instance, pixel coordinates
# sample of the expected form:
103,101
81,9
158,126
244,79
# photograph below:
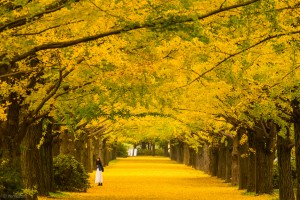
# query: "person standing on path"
99,170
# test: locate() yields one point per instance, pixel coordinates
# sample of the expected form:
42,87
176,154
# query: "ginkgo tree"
160,48
256,68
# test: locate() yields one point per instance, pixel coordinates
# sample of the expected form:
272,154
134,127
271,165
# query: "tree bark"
173,146
46,164
265,154
186,154
242,161
251,184
221,161
66,143
284,147
200,159
228,171
35,163
86,160
104,152
166,150
260,167
234,163
206,161
179,151
153,149
296,120
192,159
213,161
144,146
10,131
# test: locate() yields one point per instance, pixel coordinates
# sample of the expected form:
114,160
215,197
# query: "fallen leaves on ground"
158,178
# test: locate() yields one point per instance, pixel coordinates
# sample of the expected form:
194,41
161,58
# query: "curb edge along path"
159,178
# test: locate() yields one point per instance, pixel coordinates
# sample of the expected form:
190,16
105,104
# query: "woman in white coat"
99,170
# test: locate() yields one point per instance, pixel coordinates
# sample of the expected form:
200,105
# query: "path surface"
158,178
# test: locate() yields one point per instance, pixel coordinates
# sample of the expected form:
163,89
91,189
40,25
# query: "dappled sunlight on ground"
158,178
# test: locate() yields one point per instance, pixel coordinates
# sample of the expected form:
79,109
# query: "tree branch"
214,12
263,128
161,24
73,89
239,52
66,74
18,73
226,134
51,94
44,30
12,6
29,18
106,12
40,116
286,75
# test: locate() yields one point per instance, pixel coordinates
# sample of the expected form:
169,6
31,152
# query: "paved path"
159,178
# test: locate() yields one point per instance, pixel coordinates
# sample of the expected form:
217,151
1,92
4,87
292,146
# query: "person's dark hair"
98,160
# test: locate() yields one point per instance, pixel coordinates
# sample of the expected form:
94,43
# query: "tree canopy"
197,61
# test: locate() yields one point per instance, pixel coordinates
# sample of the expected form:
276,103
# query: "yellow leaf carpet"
158,178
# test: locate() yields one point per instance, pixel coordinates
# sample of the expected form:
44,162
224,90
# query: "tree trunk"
114,152
251,185
213,161
186,154
66,143
10,129
206,160
89,156
193,156
46,163
260,166
264,167
173,147
144,146
153,149
221,161
104,153
199,160
166,150
55,142
234,163
296,120
284,147
86,154
228,160
79,149
180,152
242,161
35,163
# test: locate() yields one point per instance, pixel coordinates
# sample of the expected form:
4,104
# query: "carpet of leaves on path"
158,178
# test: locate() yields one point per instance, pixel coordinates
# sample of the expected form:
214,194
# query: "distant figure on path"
99,170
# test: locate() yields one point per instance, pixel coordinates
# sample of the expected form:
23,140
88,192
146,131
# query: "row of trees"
88,70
